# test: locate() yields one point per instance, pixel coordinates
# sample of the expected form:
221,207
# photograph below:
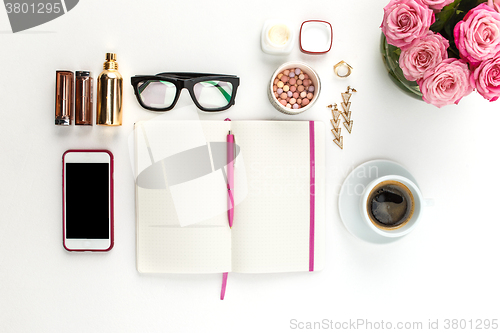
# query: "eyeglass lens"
157,94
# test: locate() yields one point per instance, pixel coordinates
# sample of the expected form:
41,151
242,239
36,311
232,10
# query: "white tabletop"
446,269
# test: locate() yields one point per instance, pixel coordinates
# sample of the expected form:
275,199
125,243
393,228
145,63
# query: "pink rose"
477,36
495,4
437,5
423,56
486,79
406,21
447,84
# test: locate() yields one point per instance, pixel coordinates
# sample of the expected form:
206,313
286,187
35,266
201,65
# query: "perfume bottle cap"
110,56
110,62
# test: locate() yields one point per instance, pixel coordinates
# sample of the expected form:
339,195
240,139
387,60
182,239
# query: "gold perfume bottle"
109,94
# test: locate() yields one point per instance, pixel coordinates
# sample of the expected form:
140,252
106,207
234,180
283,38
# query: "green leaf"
445,15
467,5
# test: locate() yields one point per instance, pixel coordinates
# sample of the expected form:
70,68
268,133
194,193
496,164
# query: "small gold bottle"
109,94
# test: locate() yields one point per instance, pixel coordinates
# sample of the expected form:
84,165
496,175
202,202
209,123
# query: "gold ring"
342,64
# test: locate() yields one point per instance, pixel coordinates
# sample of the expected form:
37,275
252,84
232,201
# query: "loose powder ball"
290,84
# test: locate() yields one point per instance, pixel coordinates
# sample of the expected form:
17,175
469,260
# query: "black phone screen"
87,200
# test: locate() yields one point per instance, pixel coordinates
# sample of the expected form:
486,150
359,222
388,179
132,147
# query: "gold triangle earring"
338,140
346,107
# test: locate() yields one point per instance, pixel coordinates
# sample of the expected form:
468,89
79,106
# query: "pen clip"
234,151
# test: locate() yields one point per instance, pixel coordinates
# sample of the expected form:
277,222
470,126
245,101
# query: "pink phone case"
111,171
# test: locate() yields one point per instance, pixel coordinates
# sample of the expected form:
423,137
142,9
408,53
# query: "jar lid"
316,37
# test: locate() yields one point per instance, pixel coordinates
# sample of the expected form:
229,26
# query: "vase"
390,55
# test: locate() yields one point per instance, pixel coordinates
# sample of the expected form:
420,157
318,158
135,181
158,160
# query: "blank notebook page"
163,245
272,224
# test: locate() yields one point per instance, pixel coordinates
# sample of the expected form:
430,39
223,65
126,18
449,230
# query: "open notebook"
181,197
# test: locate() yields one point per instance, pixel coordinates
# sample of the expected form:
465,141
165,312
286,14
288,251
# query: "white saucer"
352,190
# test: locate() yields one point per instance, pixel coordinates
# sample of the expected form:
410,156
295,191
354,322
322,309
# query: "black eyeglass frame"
186,80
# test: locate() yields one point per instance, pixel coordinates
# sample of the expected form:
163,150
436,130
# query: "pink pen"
230,199
230,177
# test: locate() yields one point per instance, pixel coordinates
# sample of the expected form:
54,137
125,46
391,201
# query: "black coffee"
390,205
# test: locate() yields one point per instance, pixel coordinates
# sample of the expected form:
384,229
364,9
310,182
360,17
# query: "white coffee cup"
418,204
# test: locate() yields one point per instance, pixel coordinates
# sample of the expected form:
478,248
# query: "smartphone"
88,200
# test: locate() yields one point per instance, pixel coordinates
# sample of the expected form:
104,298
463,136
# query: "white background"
446,269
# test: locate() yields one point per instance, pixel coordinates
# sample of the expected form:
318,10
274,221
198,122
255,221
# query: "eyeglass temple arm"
143,86
188,75
222,91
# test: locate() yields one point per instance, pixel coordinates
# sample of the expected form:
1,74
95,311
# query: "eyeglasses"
210,92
